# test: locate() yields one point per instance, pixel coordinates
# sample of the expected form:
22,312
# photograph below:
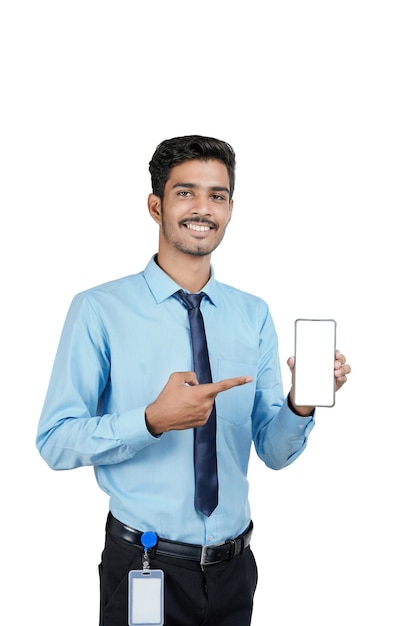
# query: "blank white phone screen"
315,344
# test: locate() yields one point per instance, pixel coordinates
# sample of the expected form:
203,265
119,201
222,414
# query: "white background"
319,100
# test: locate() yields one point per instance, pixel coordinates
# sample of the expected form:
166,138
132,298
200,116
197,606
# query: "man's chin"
197,251
197,248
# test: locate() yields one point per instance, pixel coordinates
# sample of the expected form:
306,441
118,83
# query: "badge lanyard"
146,589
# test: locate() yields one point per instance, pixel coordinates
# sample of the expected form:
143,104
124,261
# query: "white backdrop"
319,101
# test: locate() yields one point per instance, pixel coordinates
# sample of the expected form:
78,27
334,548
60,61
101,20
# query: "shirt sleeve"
71,431
279,434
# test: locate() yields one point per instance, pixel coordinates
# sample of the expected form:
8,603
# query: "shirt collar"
163,287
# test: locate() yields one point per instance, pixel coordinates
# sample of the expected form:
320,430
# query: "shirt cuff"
297,423
133,430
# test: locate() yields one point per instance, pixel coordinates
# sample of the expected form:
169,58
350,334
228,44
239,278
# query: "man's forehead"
208,173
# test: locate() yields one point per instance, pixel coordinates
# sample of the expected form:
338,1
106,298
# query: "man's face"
196,207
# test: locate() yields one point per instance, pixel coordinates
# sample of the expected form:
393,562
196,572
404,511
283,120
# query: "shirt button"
210,537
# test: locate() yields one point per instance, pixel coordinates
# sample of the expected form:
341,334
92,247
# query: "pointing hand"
184,403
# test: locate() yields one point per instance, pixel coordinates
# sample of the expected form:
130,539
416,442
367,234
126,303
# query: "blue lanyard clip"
148,540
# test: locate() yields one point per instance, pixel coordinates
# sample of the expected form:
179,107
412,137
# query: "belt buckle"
203,555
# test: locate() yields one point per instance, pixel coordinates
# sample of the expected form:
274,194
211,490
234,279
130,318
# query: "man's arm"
72,432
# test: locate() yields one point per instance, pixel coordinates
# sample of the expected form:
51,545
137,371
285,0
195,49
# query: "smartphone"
315,346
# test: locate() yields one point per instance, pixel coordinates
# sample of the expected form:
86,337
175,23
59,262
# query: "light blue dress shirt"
119,345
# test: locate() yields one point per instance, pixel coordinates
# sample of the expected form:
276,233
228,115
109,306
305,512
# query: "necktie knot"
191,300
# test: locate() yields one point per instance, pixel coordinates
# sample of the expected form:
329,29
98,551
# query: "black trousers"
221,595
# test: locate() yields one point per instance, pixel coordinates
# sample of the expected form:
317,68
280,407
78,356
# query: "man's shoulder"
239,297
226,289
114,285
123,289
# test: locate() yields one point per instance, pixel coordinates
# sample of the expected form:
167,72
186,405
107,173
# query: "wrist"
151,422
301,411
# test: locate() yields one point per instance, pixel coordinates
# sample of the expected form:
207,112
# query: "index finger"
228,383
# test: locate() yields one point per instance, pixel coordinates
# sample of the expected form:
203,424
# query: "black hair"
171,152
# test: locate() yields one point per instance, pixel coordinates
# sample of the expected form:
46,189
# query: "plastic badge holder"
146,597
146,590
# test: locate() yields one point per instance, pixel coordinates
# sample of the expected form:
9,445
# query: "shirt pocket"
235,405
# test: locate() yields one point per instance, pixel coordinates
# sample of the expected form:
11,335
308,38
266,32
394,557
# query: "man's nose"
201,205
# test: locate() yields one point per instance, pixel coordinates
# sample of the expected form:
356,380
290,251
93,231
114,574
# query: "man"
124,397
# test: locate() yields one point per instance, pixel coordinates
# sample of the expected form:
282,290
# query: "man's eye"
185,194
217,197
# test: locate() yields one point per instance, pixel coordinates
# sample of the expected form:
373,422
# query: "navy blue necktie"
205,458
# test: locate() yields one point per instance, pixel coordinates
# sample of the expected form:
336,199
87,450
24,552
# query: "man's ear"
154,207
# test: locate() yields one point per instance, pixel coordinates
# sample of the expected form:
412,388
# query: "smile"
198,227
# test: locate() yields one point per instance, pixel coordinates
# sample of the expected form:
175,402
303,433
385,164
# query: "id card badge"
146,597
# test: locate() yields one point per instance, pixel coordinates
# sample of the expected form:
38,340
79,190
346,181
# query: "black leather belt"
205,555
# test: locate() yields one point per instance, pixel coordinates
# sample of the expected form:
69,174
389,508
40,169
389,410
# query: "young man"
124,398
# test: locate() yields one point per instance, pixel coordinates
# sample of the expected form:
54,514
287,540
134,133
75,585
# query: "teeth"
199,227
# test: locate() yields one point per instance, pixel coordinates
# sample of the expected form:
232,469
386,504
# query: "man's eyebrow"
188,185
193,186
219,188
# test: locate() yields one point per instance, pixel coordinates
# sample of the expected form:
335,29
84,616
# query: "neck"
188,271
